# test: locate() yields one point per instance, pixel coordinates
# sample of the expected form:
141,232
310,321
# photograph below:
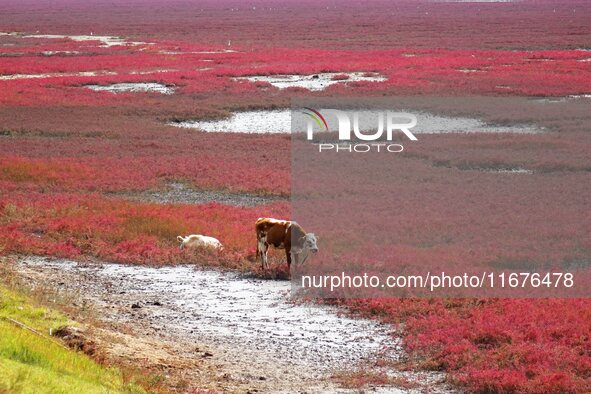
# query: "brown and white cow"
284,234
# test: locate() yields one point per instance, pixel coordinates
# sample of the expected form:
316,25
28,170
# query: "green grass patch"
30,363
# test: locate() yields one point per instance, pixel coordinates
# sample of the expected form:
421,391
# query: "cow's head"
182,241
310,241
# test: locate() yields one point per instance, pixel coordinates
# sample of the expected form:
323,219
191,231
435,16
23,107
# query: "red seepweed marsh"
124,126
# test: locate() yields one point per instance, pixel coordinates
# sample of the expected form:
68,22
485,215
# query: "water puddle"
212,52
60,53
132,87
180,193
513,170
137,86
279,121
147,72
564,99
55,75
470,70
539,60
12,54
314,82
106,41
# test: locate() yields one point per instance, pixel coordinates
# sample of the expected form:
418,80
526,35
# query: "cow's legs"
288,255
265,258
262,250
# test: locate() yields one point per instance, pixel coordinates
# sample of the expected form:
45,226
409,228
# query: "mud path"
220,330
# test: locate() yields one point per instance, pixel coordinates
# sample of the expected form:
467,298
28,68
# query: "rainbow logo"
318,118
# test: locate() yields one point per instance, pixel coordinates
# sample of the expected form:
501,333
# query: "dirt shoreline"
219,331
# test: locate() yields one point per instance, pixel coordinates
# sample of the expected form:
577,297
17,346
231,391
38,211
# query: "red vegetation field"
373,24
81,226
70,156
